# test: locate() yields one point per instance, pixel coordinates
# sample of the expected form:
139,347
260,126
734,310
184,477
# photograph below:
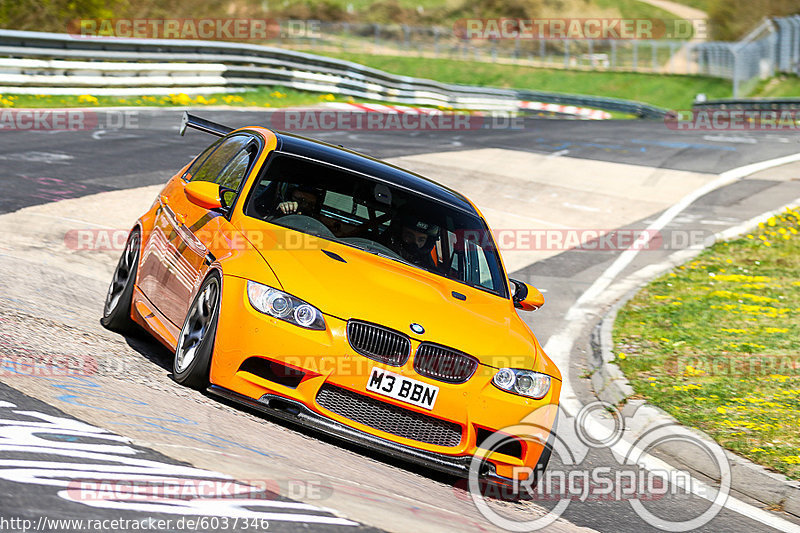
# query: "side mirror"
204,194
526,297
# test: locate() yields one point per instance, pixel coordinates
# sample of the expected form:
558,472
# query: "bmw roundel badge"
416,328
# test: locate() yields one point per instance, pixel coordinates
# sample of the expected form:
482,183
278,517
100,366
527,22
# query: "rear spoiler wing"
206,126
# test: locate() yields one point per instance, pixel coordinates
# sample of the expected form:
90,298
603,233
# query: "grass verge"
784,86
260,97
269,97
715,343
671,92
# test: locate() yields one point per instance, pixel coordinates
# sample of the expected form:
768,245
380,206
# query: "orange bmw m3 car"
337,291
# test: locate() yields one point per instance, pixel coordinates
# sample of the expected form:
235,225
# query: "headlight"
277,303
524,382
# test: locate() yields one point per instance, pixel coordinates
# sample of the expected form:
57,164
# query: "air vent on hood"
334,255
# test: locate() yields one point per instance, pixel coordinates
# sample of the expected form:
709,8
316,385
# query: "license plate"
402,388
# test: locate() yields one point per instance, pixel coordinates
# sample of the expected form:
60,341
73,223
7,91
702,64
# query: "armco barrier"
751,104
37,62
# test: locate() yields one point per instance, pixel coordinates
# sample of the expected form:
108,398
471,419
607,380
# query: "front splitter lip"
294,411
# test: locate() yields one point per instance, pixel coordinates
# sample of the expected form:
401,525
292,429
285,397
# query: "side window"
484,272
211,168
198,161
232,176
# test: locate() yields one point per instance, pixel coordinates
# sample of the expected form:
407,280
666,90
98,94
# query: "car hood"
346,283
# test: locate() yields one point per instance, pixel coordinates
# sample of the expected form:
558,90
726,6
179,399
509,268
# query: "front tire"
117,307
196,341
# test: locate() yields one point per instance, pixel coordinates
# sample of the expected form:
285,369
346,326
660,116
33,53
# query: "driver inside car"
303,200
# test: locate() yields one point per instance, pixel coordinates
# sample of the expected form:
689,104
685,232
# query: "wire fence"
673,56
773,46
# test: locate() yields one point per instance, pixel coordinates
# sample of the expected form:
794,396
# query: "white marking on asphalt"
56,217
730,139
558,154
38,157
666,217
116,461
559,346
522,217
753,222
98,134
582,207
715,222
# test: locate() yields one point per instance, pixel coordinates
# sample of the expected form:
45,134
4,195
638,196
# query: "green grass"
715,343
785,86
261,97
671,92
635,9
702,5
668,91
446,12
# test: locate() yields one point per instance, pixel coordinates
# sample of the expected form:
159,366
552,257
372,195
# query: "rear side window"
234,173
212,167
198,161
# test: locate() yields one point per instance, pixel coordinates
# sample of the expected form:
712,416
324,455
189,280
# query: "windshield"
337,205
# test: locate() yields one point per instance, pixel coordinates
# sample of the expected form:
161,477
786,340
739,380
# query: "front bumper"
296,412
327,358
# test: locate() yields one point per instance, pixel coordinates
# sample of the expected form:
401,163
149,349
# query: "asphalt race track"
127,416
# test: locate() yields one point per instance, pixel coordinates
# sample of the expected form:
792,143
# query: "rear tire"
117,307
196,340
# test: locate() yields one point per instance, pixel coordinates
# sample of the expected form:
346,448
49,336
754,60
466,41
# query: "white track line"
666,217
560,345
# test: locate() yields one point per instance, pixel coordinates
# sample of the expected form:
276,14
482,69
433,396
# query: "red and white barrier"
584,112
591,114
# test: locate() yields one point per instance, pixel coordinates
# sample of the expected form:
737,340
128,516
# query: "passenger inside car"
413,239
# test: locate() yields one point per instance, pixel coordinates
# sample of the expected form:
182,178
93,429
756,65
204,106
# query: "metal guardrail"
34,62
638,109
751,104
